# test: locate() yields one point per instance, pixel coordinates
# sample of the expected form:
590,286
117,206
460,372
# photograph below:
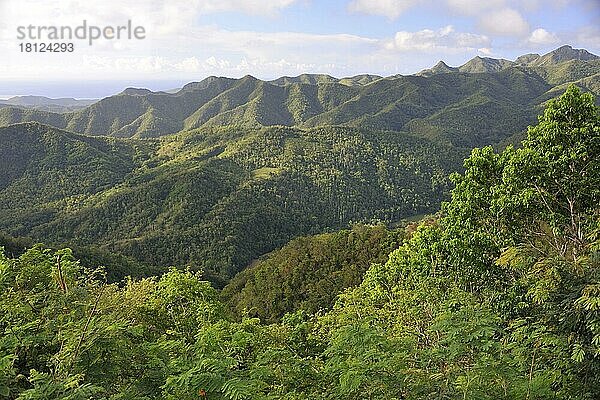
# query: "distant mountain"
487,65
359,80
478,103
439,68
562,54
33,101
136,91
316,79
48,104
478,65
311,79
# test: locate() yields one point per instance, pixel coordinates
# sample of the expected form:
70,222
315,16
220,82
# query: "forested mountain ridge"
486,64
45,166
214,198
455,105
495,298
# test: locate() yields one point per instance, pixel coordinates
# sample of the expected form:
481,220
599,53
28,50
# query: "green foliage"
498,298
68,335
116,266
309,272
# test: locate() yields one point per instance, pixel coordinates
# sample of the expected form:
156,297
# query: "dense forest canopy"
309,272
213,198
498,297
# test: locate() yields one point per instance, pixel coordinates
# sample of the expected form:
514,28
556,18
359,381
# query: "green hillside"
254,164
308,272
45,166
214,198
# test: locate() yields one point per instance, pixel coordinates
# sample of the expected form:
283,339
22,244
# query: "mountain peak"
249,77
439,68
479,64
568,52
311,79
484,64
562,54
206,82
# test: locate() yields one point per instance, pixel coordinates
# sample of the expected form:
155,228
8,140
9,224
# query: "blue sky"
187,40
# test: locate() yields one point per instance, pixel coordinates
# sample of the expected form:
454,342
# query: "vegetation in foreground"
499,298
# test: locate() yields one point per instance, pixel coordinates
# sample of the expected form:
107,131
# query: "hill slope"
308,273
215,198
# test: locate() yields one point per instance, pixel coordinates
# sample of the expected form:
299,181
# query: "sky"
188,40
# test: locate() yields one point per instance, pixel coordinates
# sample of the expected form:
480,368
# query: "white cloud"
540,36
387,8
499,17
65,8
504,22
267,45
474,7
193,65
158,16
248,6
444,39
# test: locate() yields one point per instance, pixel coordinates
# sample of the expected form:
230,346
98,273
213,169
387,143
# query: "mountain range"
486,64
445,103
